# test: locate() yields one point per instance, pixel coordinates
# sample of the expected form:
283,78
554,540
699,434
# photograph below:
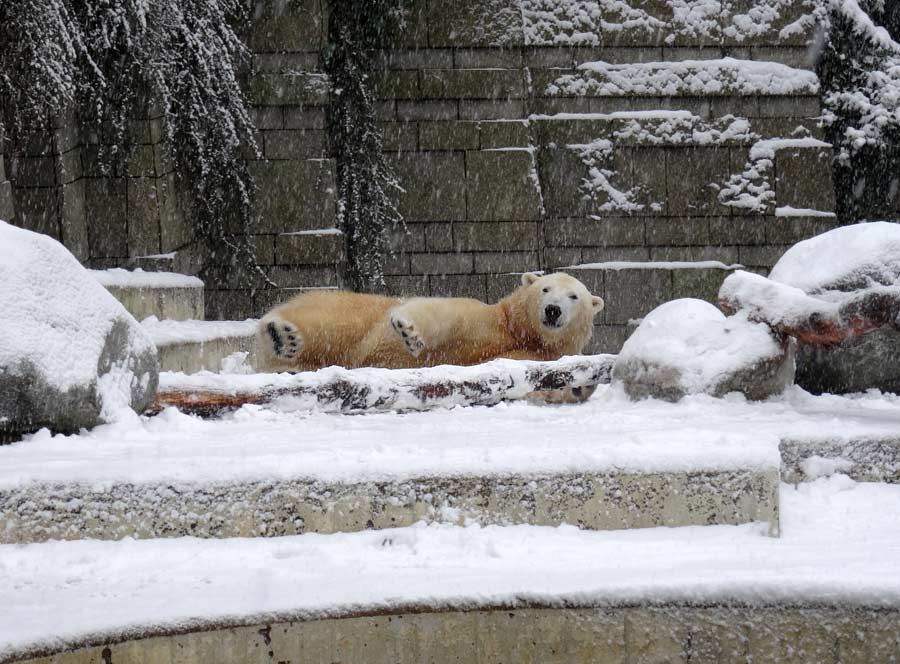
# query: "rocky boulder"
839,294
689,347
70,355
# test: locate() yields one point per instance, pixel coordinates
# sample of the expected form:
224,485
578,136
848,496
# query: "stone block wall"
512,155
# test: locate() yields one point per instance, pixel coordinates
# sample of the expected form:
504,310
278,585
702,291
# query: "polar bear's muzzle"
552,316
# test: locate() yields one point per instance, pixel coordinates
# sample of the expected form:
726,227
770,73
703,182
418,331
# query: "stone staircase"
171,309
92,507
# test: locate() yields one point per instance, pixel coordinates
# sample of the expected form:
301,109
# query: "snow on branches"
112,60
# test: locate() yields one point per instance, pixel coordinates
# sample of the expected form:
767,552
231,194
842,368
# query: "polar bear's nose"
552,313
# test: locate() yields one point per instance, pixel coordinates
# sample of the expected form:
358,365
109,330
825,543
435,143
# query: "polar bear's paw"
286,339
410,335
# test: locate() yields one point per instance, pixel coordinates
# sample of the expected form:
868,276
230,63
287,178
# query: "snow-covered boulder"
829,291
843,260
71,356
689,347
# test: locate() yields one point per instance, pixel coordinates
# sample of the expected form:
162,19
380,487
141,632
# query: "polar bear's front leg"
408,332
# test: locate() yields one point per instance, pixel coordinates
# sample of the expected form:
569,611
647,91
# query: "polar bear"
545,318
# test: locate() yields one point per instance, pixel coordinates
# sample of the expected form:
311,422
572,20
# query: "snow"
772,300
173,332
767,148
656,265
861,254
592,22
840,546
618,115
724,76
788,211
608,433
816,466
121,278
694,338
54,315
317,231
752,189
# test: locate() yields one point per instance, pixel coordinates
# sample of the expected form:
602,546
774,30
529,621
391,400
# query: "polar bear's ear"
529,278
597,304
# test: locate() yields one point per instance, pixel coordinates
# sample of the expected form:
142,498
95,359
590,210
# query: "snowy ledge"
175,332
725,76
655,265
121,278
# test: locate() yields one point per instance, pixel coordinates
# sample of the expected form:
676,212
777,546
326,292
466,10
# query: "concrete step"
292,506
868,459
190,346
165,295
829,591
536,632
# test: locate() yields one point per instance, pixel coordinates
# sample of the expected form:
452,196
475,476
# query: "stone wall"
508,153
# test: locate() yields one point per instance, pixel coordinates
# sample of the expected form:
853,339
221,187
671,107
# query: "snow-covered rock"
841,260
71,356
688,346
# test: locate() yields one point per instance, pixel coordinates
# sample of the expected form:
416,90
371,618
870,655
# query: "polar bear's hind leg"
285,337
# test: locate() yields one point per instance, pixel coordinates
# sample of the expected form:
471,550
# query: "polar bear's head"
560,306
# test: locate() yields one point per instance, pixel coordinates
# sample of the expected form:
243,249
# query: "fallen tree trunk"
361,390
811,320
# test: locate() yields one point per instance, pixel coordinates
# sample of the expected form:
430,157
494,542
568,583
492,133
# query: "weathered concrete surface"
611,635
862,459
253,509
194,356
164,303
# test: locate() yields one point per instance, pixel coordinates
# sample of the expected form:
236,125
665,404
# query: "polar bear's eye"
573,297
547,289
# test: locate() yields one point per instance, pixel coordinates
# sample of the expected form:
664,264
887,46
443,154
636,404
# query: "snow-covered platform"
608,463
165,295
190,346
827,591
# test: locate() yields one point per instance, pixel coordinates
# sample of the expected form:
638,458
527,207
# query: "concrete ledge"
166,295
862,459
591,501
190,346
164,303
612,635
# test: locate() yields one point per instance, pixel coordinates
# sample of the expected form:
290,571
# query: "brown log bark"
347,391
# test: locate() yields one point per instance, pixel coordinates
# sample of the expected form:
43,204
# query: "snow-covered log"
790,311
357,390
827,289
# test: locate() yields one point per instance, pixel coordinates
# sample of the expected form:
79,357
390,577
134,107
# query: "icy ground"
607,433
840,544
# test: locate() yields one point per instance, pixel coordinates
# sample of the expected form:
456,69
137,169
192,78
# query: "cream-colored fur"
545,318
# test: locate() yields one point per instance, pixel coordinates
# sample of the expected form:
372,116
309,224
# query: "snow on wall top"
855,257
586,22
724,76
655,265
54,315
120,278
173,332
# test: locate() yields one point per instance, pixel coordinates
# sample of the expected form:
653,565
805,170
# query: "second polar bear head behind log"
545,318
